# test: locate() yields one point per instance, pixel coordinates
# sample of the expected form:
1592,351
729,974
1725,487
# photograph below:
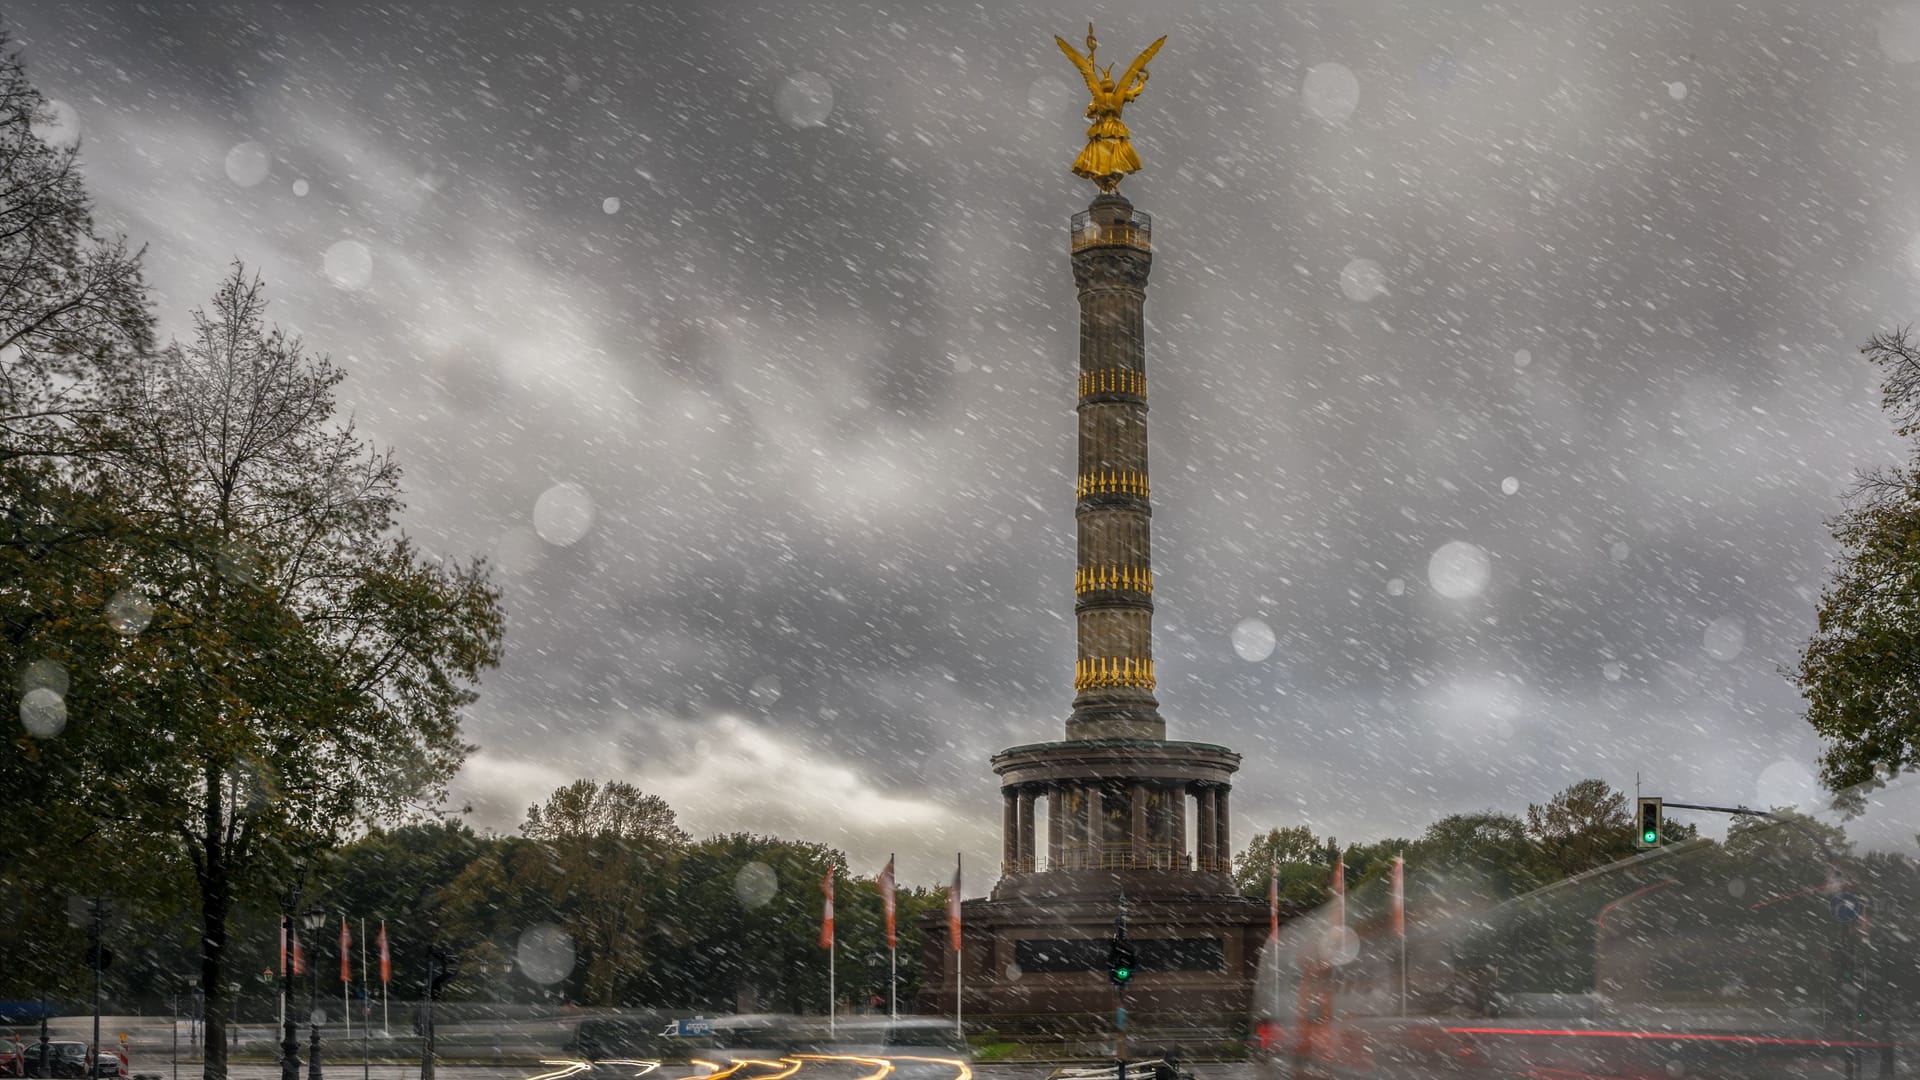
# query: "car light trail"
715,1072
644,1066
882,1066
961,1070
568,1067
1668,1036
786,1066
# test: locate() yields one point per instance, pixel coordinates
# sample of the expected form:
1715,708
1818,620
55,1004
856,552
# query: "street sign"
1846,907
694,1027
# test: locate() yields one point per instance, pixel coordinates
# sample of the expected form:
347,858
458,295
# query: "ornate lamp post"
313,920
289,1037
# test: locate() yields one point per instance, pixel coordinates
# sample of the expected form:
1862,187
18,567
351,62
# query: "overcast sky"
742,339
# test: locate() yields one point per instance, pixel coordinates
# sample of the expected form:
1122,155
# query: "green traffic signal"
1123,974
1649,837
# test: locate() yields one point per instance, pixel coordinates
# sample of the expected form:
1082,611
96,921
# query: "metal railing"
1136,233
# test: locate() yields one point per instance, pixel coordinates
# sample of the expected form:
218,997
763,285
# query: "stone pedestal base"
1037,967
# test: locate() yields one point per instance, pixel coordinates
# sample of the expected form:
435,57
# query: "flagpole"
366,1009
959,993
833,1000
893,954
386,1030
1400,872
346,981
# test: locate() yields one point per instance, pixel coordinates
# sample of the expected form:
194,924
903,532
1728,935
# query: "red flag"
346,952
886,901
283,947
1399,896
1340,891
299,958
826,914
1273,905
386,962
953,906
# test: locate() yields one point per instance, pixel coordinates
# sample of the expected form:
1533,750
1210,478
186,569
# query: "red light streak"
1668,1036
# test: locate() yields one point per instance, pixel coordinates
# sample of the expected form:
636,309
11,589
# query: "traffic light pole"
1736,810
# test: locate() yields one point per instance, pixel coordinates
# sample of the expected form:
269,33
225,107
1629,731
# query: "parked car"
64,1061
110,1064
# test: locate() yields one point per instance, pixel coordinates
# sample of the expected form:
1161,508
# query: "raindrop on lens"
1677,91
1899,34
1522,357
1510,486
804,100
1619,551
59,127
300,188
348,264
1459,570
563,514
129,612
1330,92
1396,586
1724,639
545,953
1612,670
248,164
765,690
1253,640
45,675
609,205
1362,280
43,712
755,884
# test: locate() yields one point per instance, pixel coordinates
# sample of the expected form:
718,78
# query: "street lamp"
313,920
290,1036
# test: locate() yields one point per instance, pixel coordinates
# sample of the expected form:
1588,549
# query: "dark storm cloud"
812,371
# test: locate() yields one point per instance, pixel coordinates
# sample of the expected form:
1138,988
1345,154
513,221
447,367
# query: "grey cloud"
816,380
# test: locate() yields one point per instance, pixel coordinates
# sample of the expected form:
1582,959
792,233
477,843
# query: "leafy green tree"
1587,824
1482,854
1293,853
1857,671
612,853
299,669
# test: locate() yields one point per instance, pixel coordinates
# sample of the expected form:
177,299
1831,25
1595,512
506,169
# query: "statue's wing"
1085,65
1139,64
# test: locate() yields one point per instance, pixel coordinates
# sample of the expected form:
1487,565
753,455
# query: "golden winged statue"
1109,155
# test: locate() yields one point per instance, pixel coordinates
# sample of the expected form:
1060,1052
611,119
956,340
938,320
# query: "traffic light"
1121,962
1651,810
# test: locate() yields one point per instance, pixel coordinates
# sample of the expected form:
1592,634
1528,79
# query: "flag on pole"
283,946
886,901
1273,905
1340,891
1399,893
826,913
299,958
346,951
953,907
386,962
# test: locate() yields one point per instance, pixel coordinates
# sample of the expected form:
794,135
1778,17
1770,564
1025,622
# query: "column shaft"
1024,859
1009,833
1056,826
1223,831
1209,835
1096,827
1177,798
1139,846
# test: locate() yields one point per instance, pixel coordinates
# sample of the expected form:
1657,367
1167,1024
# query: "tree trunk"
214,901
